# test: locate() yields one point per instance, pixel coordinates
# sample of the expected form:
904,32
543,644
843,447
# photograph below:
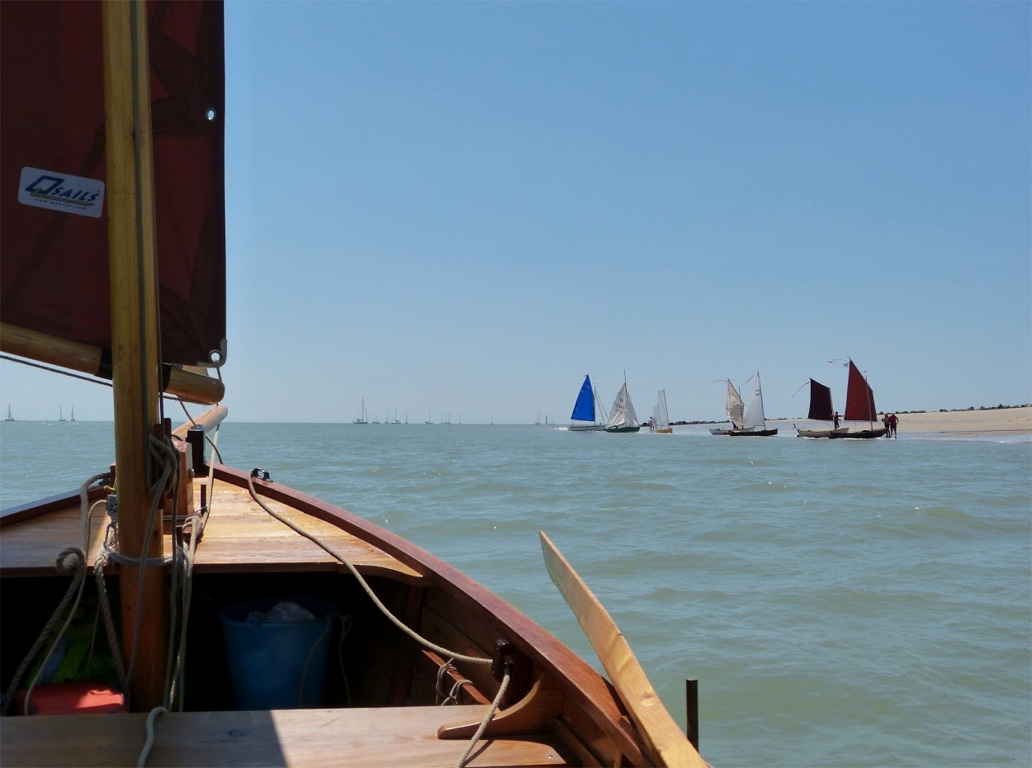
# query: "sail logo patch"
61,192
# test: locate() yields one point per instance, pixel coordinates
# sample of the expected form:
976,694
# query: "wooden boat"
820,410
733,407
660,423
622,418
186,540
584,417
753,421
860,407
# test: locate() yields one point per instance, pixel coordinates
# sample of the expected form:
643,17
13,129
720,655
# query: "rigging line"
443,652
805,383
487,718
55,370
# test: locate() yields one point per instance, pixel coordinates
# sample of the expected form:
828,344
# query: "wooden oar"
663,737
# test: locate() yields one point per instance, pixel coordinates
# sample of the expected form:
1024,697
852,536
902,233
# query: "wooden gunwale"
31,509
577,679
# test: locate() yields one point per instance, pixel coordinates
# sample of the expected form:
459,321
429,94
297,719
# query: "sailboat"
660,419
9,416
584,417
362,419
860,407
60,413
734,407
754,423
622,418
820,410
73,414
203,558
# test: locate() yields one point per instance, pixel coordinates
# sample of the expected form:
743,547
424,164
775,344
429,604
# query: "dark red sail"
54,273
859,397
820,402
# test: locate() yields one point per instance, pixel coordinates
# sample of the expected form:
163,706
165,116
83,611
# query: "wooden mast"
134,331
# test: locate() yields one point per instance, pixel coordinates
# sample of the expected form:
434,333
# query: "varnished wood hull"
575,717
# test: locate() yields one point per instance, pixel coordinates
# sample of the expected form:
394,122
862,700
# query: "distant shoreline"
992,421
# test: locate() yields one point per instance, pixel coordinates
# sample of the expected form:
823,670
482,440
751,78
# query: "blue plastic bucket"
277,665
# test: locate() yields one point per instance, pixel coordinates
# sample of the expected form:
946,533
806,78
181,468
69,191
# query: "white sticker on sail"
61,192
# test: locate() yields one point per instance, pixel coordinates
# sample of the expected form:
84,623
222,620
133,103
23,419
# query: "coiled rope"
65,565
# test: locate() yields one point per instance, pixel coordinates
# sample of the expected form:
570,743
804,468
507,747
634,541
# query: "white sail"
622,415
734,405
661,419
754,413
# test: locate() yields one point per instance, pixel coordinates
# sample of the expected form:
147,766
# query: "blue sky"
464,207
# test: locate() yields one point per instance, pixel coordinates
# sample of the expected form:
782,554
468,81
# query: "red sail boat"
860,407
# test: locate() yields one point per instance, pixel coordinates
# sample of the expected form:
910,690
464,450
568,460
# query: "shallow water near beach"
841,603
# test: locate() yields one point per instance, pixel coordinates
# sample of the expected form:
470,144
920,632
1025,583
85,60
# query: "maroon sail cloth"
859,397
820,402
53,264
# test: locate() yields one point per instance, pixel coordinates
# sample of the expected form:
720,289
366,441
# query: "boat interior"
391,700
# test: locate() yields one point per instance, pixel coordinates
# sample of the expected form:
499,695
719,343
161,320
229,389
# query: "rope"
141,761
194,526
74,588
158,447
487,718
443,652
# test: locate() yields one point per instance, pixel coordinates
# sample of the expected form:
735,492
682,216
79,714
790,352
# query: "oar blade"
664,738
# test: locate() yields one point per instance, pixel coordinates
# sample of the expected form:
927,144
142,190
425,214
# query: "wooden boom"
75,356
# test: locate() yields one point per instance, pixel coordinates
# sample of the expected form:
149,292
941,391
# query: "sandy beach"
1003,421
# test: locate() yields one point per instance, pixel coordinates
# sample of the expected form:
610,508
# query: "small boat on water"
586,409
860,407
195,609
9,416
660,423
820,410
734,406
753,422
622,418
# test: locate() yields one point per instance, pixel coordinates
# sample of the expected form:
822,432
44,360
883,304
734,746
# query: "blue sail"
584,408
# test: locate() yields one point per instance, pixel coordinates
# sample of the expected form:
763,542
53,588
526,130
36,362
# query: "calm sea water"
842,603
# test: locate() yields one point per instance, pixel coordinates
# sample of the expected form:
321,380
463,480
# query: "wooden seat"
240,536
400,737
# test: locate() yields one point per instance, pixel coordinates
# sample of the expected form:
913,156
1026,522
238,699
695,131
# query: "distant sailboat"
622,417
860,407
733,407
749,422
362,419
660,418
754,423
9,416
73,413
60,413
584,410
820,410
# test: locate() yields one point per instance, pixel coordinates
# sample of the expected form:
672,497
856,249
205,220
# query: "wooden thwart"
389,737
666,742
